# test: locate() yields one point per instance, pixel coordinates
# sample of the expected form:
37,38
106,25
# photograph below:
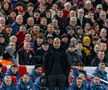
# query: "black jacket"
48,61
25,57
38,56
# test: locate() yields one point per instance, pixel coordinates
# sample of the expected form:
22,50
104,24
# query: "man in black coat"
25,54
56,66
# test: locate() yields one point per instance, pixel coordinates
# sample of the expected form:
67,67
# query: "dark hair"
80,64
14,65
38,65
30,4
78,78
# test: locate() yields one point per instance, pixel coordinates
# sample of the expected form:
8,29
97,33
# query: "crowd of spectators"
28,29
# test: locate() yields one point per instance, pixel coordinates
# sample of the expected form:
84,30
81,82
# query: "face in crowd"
56,43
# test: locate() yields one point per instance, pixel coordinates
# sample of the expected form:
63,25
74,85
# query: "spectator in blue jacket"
40,83
96,85
8,84
85,82
79,70
25,83
13,71
100,72
15,25
78,85
36,72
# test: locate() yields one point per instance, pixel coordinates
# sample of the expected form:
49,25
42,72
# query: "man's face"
103,33
103,47
27,46
56,43
30,8
2,40
48,14
30,22
79,83
70,32
88,6
36,29
50,28
81,76
13,39
96,80
45,47
14,70
60,13
101,55
79,45
36,14
19,20
43,21
80,68
50,41
96,48
28,37
106,24
73,22
80,31
25,79
91,15
12,45
72,13
23,29
102,68
102,15
39,40
64,40
39,70
81,13
8,81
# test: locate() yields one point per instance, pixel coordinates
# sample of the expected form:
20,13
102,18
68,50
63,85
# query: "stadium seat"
0,82
4,69
89,79
22,70
70,80
14,79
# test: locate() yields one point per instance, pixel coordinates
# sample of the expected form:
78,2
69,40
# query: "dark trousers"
57,81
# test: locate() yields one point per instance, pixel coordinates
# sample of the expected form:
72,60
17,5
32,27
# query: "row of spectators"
36,79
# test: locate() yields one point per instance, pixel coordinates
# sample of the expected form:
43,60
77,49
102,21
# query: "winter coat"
97,87
40,83
11,87
102,75
25,86
25,57
10,73
15,27
34,75
74,86
74,57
